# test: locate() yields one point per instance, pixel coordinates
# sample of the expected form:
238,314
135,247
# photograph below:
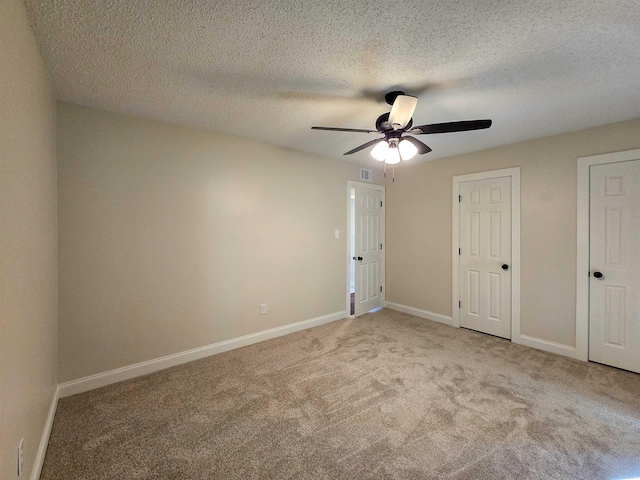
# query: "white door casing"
485,255
369,253
497,316
614,257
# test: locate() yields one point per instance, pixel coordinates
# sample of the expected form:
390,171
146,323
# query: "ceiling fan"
395,147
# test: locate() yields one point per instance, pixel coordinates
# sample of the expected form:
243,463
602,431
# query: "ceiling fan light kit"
392,151
394,147
392,155
380,150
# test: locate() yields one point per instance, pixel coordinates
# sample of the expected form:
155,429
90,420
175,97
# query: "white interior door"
614,257
368,248
485,256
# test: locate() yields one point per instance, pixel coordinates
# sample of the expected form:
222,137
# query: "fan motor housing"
393,136
391,96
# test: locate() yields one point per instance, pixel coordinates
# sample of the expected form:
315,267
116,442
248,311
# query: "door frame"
583,241
351,184
514,173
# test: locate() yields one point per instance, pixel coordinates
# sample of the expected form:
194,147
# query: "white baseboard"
546,345
525,340
44,440
143,368
436,317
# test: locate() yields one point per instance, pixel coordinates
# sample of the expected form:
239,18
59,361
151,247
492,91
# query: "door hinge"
380,287
459,198
380,202
380,246
459,251
459,304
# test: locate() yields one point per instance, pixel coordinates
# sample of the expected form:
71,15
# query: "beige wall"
28,270
419,225
170,238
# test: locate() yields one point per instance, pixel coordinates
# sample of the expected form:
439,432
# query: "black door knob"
597,274
505,266
360,258
357,258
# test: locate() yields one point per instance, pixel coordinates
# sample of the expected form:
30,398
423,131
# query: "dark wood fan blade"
366,145
422,148
450,127
336,129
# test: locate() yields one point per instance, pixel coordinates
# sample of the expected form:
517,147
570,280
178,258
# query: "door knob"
360,258
597,274
505,266
357,258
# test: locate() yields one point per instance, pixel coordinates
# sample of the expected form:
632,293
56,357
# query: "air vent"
366,175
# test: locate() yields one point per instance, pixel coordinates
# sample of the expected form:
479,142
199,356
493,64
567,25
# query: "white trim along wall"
417,312
514,173
143,368
46,434
582,243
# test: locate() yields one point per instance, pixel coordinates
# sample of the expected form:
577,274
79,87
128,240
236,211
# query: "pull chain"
394,173
385,169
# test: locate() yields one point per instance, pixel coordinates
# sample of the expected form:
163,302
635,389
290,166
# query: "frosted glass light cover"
380,150
392,157
407,149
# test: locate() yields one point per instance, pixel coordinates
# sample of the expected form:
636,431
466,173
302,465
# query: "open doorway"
365,282
352,251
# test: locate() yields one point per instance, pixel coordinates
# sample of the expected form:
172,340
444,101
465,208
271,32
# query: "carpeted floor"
383,396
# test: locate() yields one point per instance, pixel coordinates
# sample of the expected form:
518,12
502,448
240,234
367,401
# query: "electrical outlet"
21,457
263,309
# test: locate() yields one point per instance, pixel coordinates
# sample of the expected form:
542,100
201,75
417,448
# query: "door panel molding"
582,240
514,173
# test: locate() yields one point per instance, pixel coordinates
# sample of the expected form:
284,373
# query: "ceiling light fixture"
380,150
394,148
407,149
391,151
392,156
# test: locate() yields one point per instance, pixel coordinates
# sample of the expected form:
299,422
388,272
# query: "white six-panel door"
485,256
614,257
368,218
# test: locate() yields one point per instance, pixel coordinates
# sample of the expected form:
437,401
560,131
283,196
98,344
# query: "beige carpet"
384,396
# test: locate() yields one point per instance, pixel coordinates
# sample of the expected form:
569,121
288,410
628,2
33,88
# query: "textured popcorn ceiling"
269,70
